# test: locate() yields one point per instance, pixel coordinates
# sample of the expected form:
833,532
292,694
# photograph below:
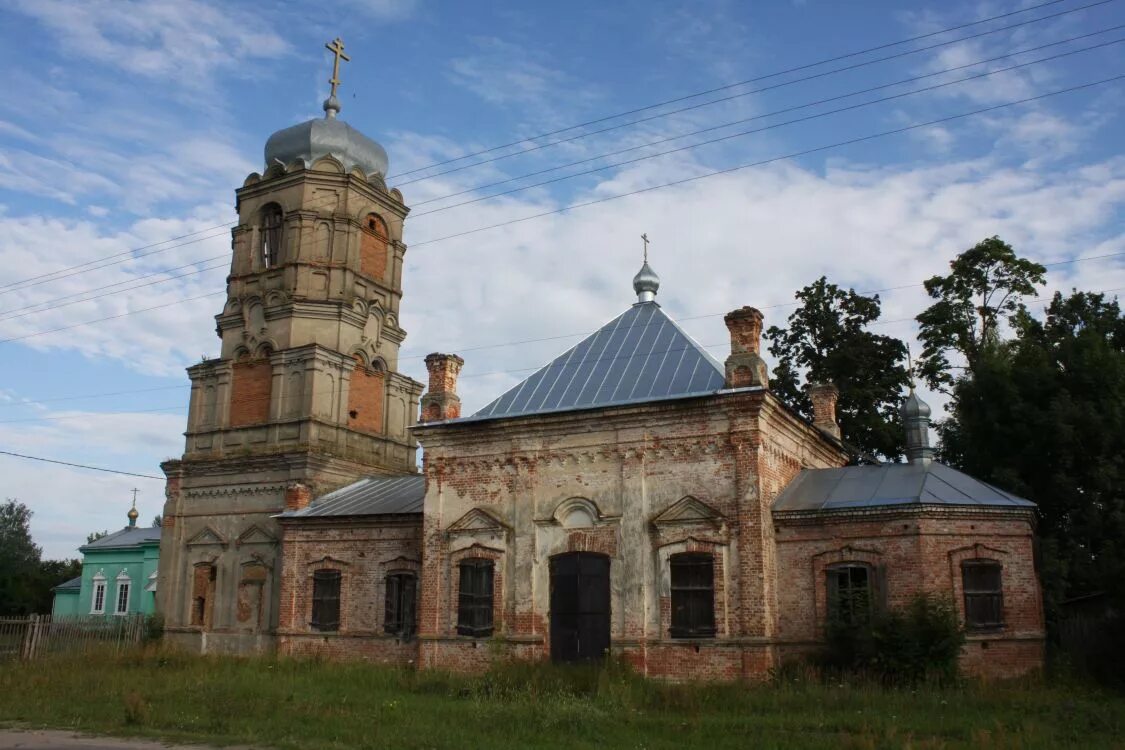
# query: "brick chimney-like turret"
824,397
745,366
441,400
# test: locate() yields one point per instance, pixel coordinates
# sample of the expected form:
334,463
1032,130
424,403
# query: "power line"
805,152
740,83
80,466
93,395
744,133
767,114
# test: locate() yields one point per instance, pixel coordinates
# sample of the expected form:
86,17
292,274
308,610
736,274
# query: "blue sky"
129,123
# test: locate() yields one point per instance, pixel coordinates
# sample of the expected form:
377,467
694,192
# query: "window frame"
400,603
692,602
124,586
995,595
97,596
834,602
475,602
332,577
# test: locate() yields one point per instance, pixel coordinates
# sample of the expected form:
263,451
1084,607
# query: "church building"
635,497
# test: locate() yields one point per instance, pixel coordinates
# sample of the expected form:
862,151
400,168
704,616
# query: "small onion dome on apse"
646,283
133,515
328,136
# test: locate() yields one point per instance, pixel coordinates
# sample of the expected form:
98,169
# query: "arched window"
373,254
850,593
693,595
984,594
271,235
121,601
401,604
326,601
474,603
97,601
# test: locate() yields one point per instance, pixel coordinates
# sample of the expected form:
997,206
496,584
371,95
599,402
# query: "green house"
118,575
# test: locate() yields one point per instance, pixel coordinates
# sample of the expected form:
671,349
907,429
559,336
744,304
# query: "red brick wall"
373,249
250,392
364,551
365,399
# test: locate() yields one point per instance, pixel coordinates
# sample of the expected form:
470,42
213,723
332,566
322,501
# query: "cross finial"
645,238
910,367
135,491
332,104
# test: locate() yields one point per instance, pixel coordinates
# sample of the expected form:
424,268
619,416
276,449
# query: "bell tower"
305,395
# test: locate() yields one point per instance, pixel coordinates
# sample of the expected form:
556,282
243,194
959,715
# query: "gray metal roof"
130,536
641,355
74,584
309,141
371,496
890,485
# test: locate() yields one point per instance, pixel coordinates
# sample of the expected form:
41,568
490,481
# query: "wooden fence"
36,635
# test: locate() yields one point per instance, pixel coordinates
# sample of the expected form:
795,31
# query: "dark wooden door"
579,606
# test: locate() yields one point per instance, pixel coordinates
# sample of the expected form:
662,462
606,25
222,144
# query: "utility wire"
793,155
676,100
692,107
81,466
769,114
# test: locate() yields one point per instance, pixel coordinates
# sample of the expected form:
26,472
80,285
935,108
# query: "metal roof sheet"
130,536
889,485
641,355
74,584
370,496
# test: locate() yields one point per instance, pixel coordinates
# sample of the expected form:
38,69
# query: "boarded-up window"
984,594
850,593
365,399
373,248
474,606
326,600
693,595
251,381
401,604
251,596
202,595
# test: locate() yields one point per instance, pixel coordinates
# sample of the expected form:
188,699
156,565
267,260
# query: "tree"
94,536
985,288
827,341
19,559
1043,415
158,520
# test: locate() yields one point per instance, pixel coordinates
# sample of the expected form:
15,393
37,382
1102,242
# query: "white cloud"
185,40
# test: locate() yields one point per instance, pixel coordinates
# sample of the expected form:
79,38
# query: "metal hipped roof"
370,496
641,355
72,585
130,536
856,487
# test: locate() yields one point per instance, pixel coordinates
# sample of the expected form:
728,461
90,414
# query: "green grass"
308,704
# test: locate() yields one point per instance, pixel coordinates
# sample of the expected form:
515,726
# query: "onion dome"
914,408
646,283
916,423
133,515
328,136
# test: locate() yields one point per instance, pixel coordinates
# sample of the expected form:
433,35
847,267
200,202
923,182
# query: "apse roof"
370,496
641,355
857,487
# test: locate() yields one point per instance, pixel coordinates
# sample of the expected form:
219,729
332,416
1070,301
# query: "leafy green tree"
985,288
94,536
158,520
827,341
1044,416
19,559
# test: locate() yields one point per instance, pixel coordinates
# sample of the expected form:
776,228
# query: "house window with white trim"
121,601
97,601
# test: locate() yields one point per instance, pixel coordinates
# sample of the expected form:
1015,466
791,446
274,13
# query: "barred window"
401,609
474,606
326,600
271,235
850,593
984,594
693,595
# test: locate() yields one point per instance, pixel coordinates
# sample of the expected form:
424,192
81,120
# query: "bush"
899,646
153,628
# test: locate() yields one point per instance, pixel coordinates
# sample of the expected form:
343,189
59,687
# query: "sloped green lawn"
306,704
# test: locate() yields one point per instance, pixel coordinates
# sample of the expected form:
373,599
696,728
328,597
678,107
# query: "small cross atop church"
644,237
336,47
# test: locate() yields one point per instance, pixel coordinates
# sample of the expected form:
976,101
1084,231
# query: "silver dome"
329,136
646,283
914,407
